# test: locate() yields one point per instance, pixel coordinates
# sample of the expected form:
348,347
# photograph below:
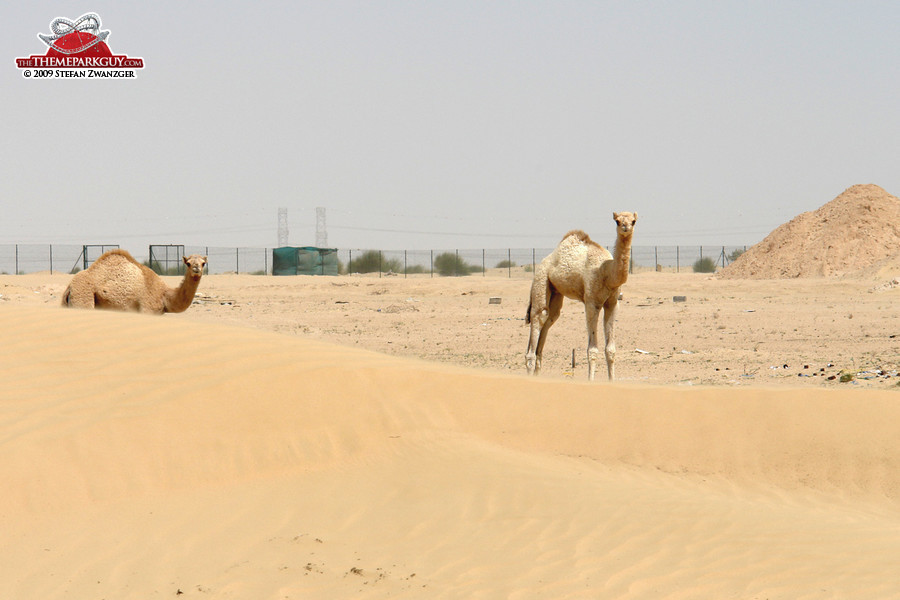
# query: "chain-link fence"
31,258
497,262
494,262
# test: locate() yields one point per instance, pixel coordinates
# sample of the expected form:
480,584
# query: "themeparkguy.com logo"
78,49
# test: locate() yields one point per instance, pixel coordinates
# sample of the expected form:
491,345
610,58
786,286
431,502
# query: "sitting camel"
582,270
117,281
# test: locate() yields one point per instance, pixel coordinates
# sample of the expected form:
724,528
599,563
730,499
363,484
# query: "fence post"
380,268
456,264
509,263
432,264
656,258
17,260
404,264
51,259
678,259
237,261
350,262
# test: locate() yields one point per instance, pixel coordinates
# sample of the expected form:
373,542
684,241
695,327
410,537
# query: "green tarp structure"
289,260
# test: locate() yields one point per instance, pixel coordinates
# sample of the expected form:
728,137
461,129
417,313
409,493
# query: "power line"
555,235
457,233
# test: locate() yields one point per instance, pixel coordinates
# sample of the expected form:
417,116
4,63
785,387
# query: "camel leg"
592,315
532,359
80,297
554,307
537,315
539,318
609,322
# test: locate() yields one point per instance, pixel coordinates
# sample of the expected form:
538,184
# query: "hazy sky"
429,125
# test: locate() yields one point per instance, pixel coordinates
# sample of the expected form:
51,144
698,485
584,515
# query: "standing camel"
582,270
117,281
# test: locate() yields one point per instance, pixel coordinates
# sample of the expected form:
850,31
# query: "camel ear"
184,258
635,217
616,217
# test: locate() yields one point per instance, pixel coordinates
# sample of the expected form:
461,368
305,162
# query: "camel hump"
116,252
581,236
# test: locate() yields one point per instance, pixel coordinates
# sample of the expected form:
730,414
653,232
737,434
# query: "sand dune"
143,457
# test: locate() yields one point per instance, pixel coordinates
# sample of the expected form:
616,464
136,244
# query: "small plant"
735,254
449,263
505,264
367,262
705,265
371,261
528,268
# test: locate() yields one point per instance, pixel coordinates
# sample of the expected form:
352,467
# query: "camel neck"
180,298
621,258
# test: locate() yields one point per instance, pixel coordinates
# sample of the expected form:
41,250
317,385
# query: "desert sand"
365,437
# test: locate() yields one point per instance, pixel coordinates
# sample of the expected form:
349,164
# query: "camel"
117,281
582,270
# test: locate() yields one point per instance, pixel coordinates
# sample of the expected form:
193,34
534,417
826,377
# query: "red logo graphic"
78,44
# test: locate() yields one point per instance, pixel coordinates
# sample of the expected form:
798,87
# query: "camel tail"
65,296
528,313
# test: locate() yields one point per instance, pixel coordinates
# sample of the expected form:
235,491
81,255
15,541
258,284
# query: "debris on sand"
889,285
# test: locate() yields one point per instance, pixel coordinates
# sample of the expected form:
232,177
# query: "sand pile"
856,230
159,458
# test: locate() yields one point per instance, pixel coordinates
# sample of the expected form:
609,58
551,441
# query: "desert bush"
449,263
505,264
705,265
371,260
735,254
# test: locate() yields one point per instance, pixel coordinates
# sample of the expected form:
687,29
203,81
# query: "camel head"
195,264
625,223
